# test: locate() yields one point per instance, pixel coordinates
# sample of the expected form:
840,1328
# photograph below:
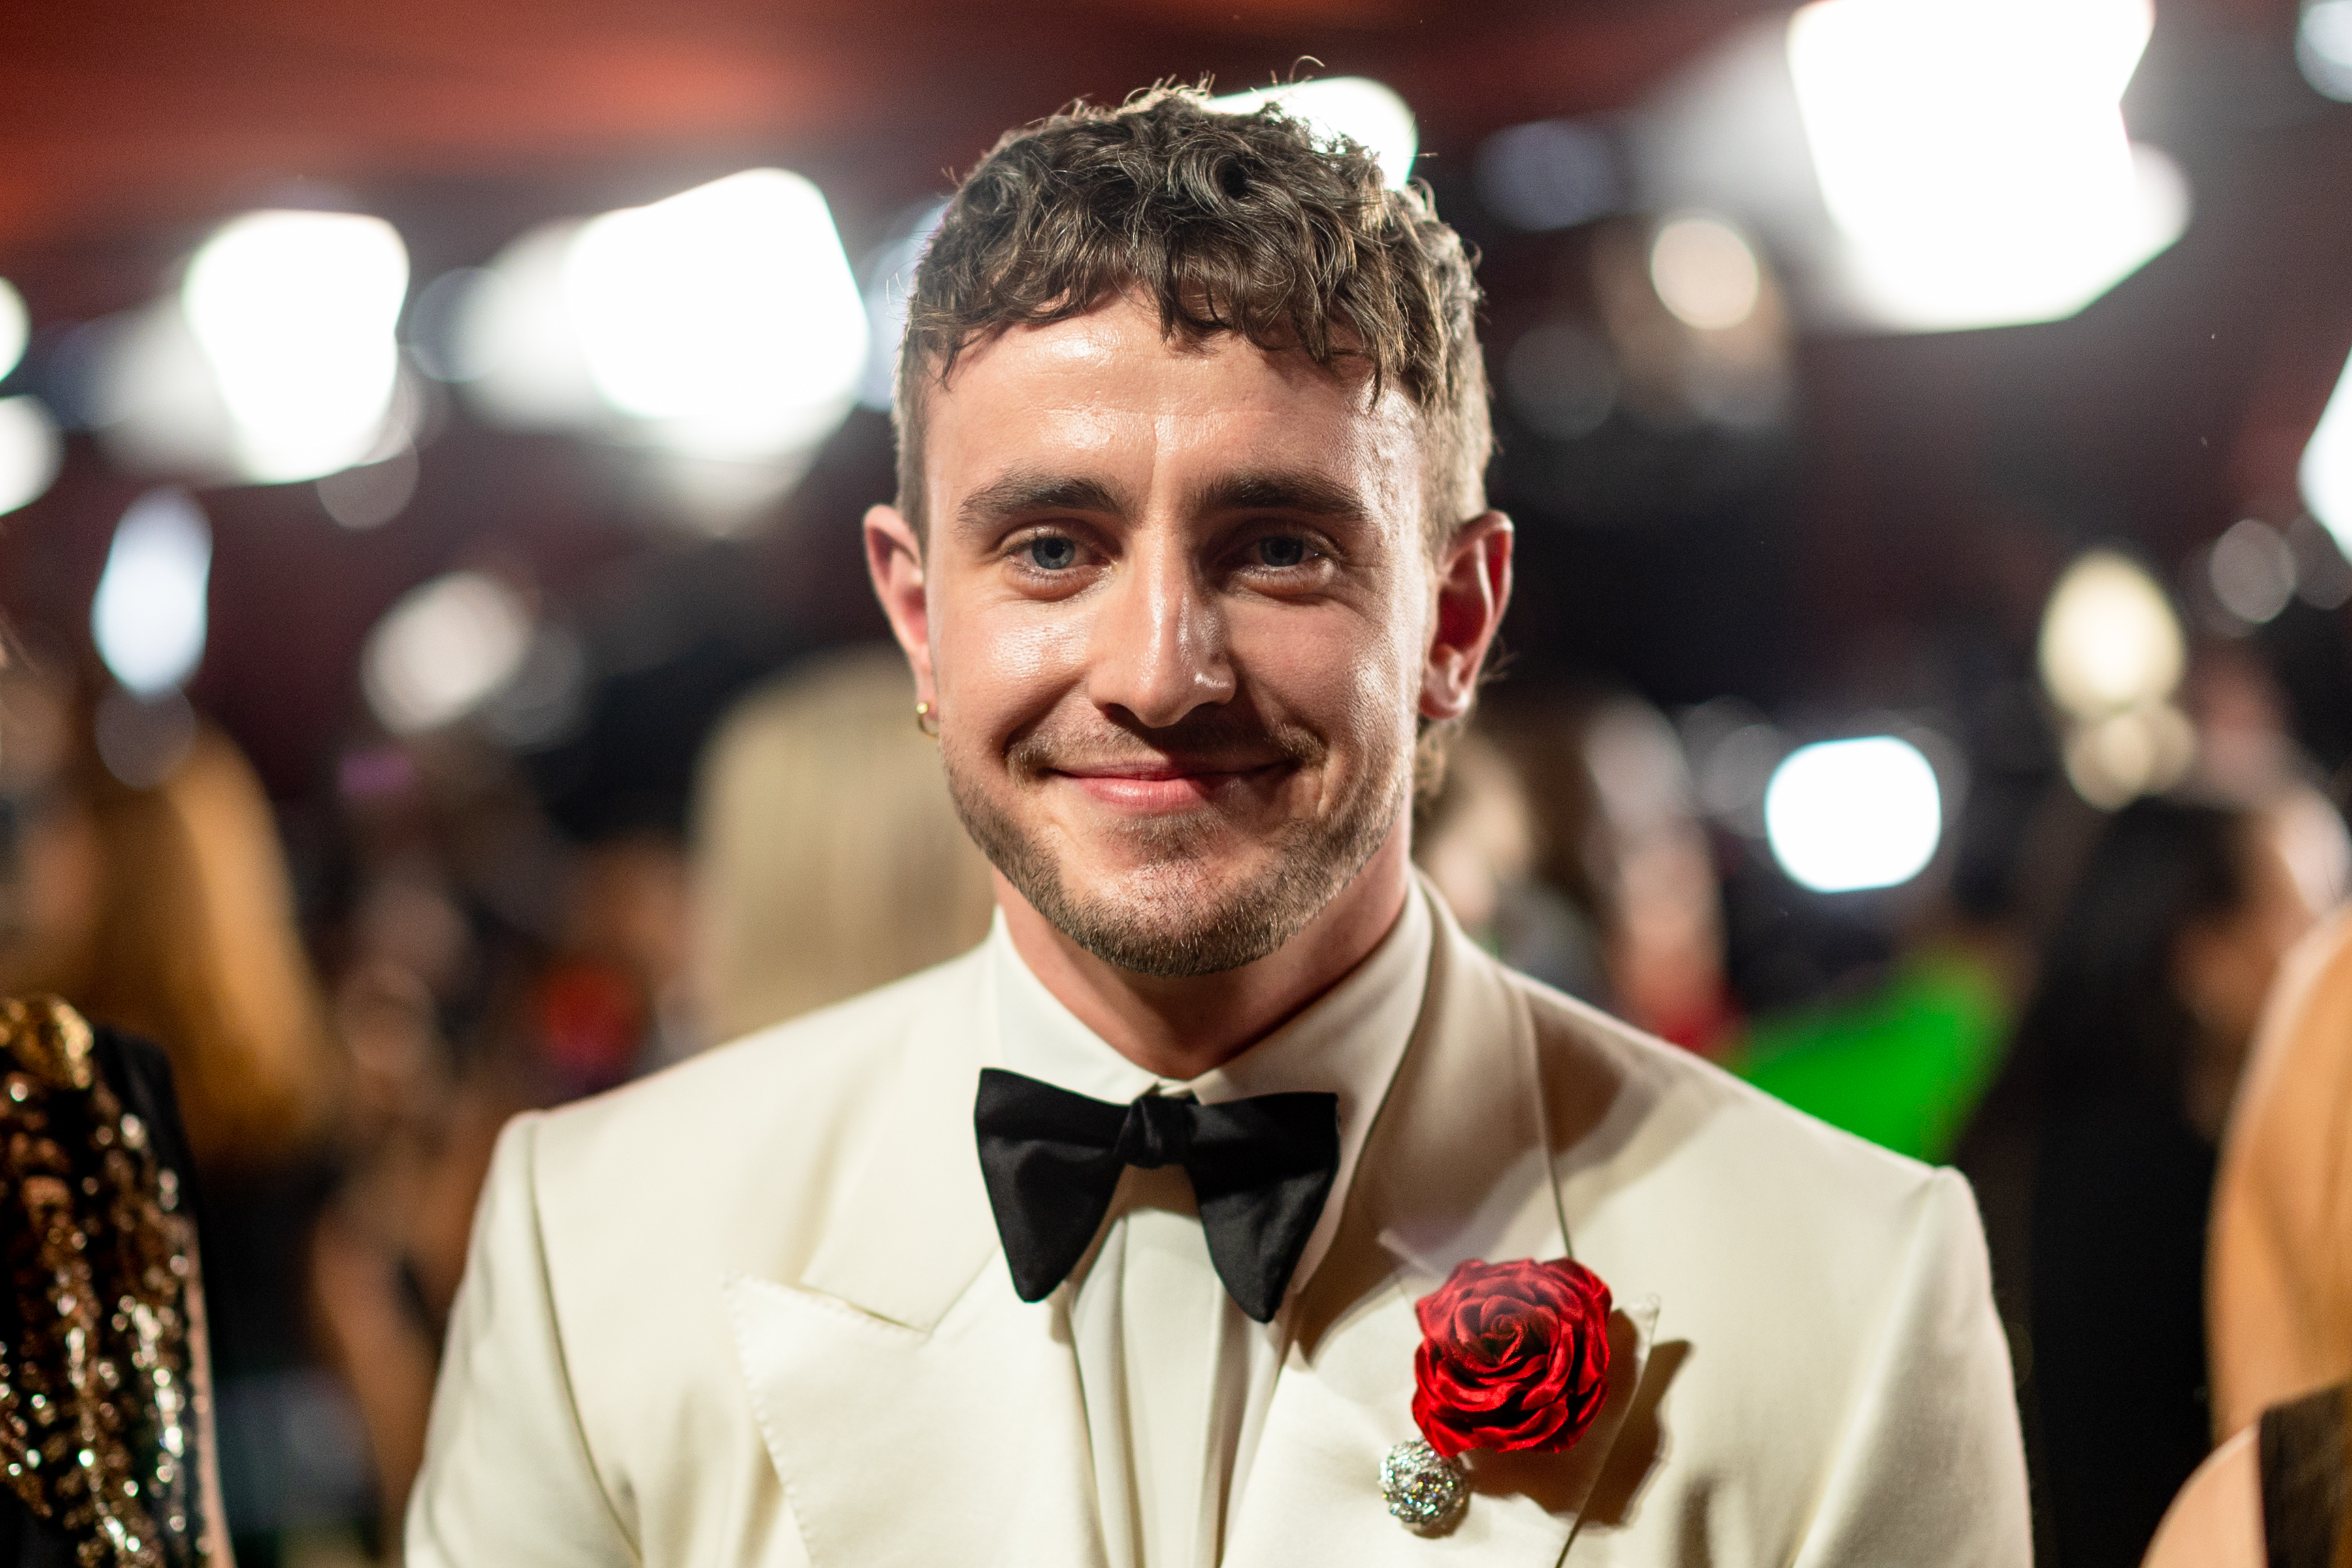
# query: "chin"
1115,874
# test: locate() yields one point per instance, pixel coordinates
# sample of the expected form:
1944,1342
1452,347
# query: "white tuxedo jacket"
753,1311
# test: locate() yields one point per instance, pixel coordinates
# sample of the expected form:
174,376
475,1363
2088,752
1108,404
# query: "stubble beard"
1176,915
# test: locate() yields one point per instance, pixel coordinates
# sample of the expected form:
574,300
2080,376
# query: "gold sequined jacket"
101,1386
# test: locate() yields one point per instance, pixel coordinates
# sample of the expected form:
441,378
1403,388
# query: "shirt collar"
1348,1041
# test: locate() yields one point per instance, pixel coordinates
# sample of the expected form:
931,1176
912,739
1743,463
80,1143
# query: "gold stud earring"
927,720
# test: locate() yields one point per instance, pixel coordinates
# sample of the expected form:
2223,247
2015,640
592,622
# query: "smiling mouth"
1163,787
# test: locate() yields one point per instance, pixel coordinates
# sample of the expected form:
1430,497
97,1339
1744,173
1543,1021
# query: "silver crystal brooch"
1426,1493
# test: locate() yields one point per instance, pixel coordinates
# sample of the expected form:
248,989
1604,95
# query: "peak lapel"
901,1448
917,1411
1458,1165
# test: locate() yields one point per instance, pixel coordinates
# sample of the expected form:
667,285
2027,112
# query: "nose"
1159,644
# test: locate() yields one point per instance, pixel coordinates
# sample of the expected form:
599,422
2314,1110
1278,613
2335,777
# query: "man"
1101,1246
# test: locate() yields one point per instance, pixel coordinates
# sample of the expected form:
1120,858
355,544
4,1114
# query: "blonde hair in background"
195,947
827,857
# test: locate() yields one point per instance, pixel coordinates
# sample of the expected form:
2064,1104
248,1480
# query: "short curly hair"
1226,223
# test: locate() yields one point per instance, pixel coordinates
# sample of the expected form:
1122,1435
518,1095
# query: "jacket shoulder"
1649,1100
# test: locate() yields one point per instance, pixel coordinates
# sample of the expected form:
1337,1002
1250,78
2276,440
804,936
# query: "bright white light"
2251,568
2326,473
513,339
1365,112
1705,272
442,650
1973,154
149,620
30,451
295,311
16,326
1843,815
729,313
722,324
2323,46
2109,639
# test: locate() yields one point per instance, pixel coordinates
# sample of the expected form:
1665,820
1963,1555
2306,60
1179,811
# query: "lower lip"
1142,794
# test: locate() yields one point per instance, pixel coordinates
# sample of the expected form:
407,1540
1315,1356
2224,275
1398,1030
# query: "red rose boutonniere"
1513,1358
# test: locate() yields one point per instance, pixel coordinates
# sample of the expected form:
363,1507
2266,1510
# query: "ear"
1474,588
894,558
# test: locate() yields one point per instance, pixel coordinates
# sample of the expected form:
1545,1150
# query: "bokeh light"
142,739
1365,112
443,649
2110,640
149,618
2325,471
1846,815
1973,154
723,322
727,314
889,285
15,327
1550,174
295,313
2323,577
1561,379
506,334
31,450
2323,47
2252,569
370,495
2112,654
1705,272
2142,751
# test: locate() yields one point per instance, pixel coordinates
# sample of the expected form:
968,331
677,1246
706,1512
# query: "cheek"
997,664
1339,669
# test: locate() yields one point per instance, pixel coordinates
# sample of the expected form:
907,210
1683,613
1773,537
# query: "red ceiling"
123,118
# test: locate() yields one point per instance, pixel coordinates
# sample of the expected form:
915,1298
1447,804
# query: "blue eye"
1281,551
1052,553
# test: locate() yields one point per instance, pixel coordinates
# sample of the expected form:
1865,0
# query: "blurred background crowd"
440,679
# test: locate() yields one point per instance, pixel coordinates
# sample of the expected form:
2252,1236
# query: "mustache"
1213,740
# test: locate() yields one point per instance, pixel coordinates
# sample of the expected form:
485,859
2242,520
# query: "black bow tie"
1261,1169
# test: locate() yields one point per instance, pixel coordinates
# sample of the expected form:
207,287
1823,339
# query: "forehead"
1107,390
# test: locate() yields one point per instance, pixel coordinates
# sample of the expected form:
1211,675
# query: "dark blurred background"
441,675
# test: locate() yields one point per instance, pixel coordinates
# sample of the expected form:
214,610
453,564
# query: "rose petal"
1513,1356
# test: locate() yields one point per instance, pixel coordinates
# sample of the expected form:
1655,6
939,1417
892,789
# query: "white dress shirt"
1176,1377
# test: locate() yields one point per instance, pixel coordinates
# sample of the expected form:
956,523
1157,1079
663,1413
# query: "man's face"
1177,610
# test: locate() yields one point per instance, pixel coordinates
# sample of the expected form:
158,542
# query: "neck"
1180,1028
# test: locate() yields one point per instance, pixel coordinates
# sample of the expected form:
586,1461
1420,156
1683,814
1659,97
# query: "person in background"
482,963
2129,1050
826,854
1566,835
2280,1287
165,910
1476,840
2278,1491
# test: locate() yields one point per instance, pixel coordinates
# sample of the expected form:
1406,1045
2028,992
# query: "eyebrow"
1027,490
1292,490
1024,491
